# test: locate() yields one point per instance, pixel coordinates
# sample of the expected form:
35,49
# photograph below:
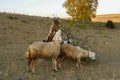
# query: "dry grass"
105,18
18,32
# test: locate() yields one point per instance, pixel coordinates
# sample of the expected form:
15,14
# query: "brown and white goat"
53,29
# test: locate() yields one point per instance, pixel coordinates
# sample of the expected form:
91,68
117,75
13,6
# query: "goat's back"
68,50
45,49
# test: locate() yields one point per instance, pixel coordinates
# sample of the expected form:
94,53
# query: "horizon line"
52,16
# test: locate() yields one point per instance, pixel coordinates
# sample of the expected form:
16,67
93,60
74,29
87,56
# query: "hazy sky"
52,7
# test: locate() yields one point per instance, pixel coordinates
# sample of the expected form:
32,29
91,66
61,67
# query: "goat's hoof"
33,72
81,67
55,70
77,66
60,68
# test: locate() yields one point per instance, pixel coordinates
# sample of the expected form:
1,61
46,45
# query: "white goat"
75,52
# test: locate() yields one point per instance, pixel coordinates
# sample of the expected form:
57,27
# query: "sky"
53,8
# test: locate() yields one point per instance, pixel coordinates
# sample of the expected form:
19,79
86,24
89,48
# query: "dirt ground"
16,35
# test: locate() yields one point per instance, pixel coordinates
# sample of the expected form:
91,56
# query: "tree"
82,10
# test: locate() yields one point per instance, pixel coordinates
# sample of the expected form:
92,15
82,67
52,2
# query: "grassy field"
17,32
106,17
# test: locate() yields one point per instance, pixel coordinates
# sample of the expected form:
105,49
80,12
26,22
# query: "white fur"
68,41
75,52
92,55
58,35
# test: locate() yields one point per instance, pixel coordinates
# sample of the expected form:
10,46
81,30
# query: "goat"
75,52
44,50
53,29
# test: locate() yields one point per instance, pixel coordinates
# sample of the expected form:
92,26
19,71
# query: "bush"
12,17
24,21
56,20
110,24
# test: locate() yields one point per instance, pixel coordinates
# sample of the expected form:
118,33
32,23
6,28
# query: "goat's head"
57,36
92,55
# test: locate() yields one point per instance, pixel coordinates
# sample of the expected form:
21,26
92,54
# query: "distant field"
106,17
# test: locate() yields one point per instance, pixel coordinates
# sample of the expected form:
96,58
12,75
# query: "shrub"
83,25
110,24
24,21
56,20
12,17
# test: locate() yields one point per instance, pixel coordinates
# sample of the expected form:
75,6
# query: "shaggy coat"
44,50
74,52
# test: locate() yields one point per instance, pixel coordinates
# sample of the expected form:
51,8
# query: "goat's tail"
27,53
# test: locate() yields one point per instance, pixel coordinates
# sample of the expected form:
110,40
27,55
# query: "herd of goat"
57,50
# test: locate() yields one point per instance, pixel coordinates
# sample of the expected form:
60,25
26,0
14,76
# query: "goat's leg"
54,64
33,66
60,62
28,65
78,63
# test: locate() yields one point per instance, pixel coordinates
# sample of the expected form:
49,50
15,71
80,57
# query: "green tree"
82,10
